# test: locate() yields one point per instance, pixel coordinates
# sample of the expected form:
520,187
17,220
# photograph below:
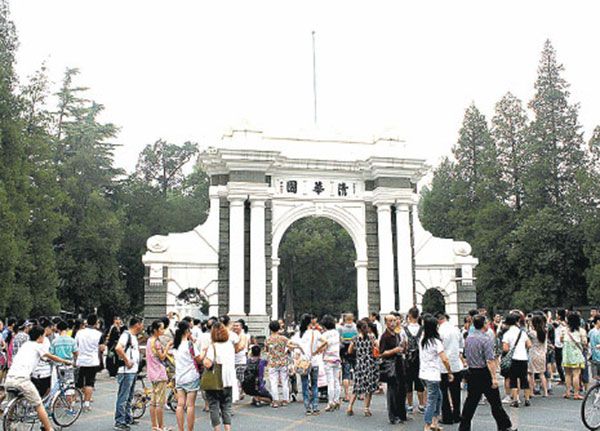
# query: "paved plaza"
552,414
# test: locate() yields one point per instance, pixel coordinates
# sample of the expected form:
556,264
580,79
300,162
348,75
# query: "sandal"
274,404
567,396
349,412
578,397
368,413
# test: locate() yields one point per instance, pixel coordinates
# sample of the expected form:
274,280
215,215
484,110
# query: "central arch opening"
317,272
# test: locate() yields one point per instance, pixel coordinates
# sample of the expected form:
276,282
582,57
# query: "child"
254,382
19,374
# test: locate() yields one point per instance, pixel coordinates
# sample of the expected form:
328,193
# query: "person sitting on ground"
253,383
25,361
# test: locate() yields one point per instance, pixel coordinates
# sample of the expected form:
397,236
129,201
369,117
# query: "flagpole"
314,76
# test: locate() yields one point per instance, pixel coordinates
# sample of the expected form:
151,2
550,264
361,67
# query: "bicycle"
590,408
141,397
64,403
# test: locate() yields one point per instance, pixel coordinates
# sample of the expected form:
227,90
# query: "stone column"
386,257
404,253
275,286
258,267
362,289
236,255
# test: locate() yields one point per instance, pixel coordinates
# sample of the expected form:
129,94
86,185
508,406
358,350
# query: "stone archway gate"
261,184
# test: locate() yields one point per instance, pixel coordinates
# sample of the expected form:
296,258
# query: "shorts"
42,384
518,372
27,388
413,382
158,397
347,368
193,386
86,377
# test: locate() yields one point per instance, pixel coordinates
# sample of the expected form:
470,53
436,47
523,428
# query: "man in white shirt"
453,342
129,355
88,360
241,356
413,332
24,362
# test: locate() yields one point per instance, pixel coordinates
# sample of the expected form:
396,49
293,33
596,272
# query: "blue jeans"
434,400
124,397
313,374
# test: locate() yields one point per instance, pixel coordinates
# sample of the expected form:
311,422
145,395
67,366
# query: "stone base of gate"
257,325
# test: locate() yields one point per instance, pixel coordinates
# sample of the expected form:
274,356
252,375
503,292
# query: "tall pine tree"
509,131
89,245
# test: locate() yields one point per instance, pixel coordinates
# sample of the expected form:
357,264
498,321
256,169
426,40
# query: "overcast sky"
187,70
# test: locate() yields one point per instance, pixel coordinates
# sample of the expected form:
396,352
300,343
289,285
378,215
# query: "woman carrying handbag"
308,340
219,376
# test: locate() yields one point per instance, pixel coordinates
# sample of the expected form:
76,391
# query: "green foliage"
525,195
433,302
71,232
161,164
436,205
509,131
317,270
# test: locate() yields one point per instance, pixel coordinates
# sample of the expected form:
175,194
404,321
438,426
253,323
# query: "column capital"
257,201
383,205
402,206
361,263
236,199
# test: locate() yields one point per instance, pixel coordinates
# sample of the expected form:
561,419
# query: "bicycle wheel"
67,406
19,416
138,405
590,409
172,401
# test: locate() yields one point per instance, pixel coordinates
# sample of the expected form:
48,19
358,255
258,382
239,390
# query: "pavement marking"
521,426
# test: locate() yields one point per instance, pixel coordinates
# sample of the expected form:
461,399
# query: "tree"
44,198
436,204
161,163
555,141
476,172
509,131
89,244
13,209
476,156
550,263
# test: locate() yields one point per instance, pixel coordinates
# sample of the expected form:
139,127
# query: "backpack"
251,373
412,352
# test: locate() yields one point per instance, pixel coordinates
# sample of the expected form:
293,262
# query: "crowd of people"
345,361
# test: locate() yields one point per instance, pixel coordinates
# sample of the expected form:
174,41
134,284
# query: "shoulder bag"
506,361
302,366
212,378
